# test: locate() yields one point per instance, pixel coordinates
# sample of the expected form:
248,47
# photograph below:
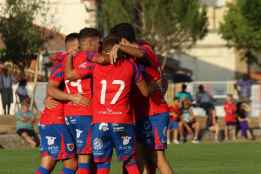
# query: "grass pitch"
227,158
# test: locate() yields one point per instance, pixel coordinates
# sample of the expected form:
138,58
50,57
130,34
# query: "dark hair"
109,42
22,82
124,30
89,32
184,87
201,88
71,37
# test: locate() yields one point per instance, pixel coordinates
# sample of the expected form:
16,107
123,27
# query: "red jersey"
112,88
55,115
83,86
230,111
175,112
157,103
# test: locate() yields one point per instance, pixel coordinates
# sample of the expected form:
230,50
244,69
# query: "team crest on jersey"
78,133
85,65
97,144
50,140
104,127
125,140
70,147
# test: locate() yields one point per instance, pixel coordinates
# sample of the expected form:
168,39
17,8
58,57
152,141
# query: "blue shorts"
106,136
80,128
173,125
56,141
152,131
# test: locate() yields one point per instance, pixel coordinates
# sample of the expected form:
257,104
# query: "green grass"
227,158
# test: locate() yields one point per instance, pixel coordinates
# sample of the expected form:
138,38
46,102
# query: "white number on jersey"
77,84
116,96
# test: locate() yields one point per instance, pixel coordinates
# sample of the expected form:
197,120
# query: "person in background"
183,94
244,88
206,101
242,114
188,121
6,91
21,90
230,117
25,124
175,112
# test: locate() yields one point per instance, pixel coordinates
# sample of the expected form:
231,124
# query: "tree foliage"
242,28
21,37
167,24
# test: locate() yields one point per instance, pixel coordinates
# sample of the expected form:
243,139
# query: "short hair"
124,30
89,32
109,42
184,87
71,37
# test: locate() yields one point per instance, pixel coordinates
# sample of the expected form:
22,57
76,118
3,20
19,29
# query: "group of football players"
104,95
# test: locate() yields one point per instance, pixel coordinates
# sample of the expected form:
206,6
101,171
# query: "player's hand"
50,103
79,99
114,53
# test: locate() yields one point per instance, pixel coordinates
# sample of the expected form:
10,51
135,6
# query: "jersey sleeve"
82,66
57,74
137,75
149,53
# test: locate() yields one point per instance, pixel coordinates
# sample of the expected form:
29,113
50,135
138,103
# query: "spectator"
175,112
183,94
24,124
244,88
242,114
230,117
6,91
21,90
206,101
188,122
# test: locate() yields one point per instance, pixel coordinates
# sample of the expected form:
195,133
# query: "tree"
21,37
167,24
242,29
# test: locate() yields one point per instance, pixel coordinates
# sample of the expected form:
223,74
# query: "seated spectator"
242,114
230,117
188,121
183,94
206,101
175,112
21,90
24,124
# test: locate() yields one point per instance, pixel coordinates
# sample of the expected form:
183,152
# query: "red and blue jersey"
112,88
54,115
151,72
84,68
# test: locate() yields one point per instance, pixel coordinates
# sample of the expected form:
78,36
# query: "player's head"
89,39
72,43
176,101
108,44
124,31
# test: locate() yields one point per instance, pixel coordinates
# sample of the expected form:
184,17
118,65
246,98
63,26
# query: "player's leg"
159,125
69,152
49,140
123,136
102,147
83,143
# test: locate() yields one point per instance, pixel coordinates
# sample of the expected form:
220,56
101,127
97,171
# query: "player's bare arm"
56,93
69,72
